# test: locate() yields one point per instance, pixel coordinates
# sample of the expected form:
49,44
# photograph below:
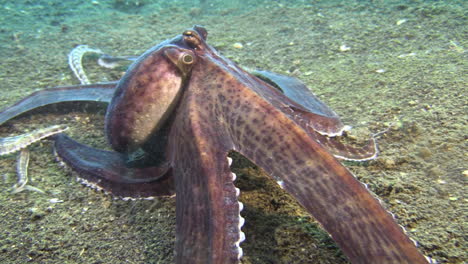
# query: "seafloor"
399,66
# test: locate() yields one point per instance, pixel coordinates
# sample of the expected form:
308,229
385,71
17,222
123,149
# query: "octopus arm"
359,224
366,151
319,120
100,92
304,103
107,171
207,209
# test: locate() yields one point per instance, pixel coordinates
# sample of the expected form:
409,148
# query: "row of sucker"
75,58
93,185
241,219
15,143
429,259
20,143
22,173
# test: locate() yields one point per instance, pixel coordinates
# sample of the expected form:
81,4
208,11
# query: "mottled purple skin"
143,100
216,107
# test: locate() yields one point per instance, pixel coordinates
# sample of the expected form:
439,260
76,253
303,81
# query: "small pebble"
465,173
238,45
344,48
388,163
401,21
36,213
55,200
435,172
407,55
425,153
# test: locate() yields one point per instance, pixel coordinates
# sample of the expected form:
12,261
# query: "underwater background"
399,66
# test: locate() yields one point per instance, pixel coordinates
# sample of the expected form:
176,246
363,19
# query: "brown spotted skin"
207,210
224,105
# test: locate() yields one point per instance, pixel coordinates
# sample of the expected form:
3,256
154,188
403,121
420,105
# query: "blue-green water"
396,65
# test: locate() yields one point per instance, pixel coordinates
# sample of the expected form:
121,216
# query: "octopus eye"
192,39
188,33
182,58
187,59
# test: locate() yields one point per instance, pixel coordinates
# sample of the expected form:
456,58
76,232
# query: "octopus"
176,114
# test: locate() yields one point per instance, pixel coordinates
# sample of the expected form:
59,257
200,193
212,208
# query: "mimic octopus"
173,118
